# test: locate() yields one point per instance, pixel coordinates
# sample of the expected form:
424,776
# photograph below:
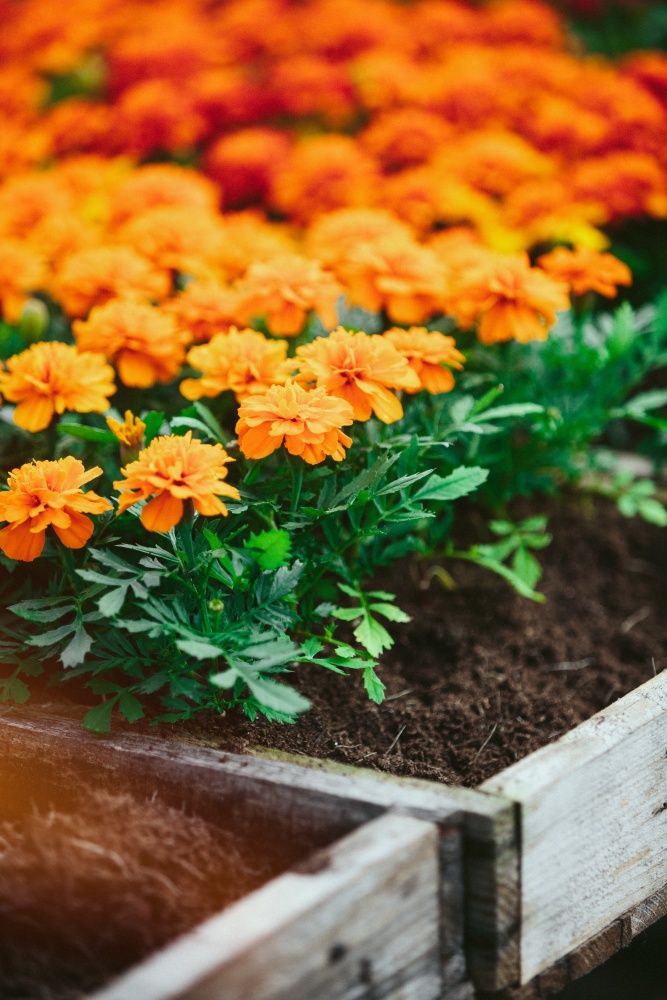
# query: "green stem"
68,560
297,483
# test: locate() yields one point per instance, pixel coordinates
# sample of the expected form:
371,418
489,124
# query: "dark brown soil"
481,676
93,886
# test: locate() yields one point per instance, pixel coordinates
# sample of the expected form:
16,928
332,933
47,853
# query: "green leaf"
651,400
43,610
457,484
17,690
402,483
373,636
52,636
391,612
112,602
75,651
285,580
347,614
270,549
84,433
374,686
211,422
509,410
98,719
652,511
130,707
526,567
198,648
277,696
350,591
154,421
225,679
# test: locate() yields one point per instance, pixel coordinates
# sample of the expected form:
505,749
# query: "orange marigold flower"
586,270
175,237
21,271
509,299
361,369
396,274
308,422
244,162
92,277
172,470
284,290
333,236
247,237
426,353
162,184
48,493
50,377
144,343
241,360
131,432
204,309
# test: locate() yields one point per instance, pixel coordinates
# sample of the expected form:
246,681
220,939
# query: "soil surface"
481,676
92,886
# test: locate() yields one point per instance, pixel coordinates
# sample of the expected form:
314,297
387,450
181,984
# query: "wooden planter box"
565,851
564,861
359,917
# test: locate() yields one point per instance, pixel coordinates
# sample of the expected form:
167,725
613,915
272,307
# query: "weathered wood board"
358,921
593,826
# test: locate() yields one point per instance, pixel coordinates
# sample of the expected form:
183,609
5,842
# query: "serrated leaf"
130,707
311,647
402,483
277,696
198,648
374,687
76,650
98,719
52,636
224,679
459,483
390,612
270,549
17,690
285,580
34,611
112,602
373,636
347,614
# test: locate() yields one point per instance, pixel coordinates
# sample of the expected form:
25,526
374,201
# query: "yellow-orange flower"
508,298
48,493
242,360
426,353
586,270
21,271
144,343
204,309
308,422
172,470
50,378
92,277
131,432
284,290
396,274
360,369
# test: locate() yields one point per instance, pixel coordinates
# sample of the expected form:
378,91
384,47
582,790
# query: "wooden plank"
490,858
358,921
593,820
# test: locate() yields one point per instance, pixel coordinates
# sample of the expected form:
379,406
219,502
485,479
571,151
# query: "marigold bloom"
361,369
241,360
284,290
396,274
175,237
244,162
21,271
204,309
586,270
93,277
509,299
172,470
308,422
144,343
246,237
48,493
159,185
331,237
50,377
131,432
426,353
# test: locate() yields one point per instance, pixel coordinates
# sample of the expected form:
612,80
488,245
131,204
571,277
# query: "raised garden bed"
565,862
359,914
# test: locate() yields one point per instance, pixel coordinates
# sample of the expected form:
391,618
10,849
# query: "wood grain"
359,921
593,819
